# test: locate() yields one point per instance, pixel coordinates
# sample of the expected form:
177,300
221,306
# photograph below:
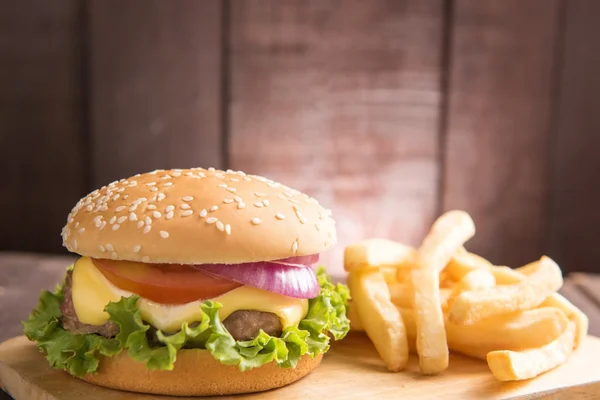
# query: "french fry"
461,265
401,295
381,319
509,365
574,314
463,262
470,307
479,279
516,331
376,254
448,233
355,322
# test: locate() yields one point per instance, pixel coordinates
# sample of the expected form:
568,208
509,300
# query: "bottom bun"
196,373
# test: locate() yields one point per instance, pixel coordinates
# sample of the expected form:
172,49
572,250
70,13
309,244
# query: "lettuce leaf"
78,354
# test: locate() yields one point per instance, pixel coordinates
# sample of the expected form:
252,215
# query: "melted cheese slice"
91,292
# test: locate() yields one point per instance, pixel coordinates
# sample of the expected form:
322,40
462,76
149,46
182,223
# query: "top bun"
197,216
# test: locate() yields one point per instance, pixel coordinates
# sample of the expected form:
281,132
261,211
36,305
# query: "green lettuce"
78,354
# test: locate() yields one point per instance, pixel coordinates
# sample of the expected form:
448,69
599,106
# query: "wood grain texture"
41,121
155,76
498,123
350,370
341,100
575,215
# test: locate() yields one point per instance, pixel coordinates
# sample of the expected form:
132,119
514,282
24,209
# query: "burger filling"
153,311
241,324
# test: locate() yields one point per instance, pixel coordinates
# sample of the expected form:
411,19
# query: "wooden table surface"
22,276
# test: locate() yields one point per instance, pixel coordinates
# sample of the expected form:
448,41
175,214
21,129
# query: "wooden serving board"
351,370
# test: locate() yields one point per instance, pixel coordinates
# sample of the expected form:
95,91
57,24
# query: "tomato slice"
164,283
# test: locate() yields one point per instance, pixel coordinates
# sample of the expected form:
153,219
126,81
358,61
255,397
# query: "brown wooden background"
387,111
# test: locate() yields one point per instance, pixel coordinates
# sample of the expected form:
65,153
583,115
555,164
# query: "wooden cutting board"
351,370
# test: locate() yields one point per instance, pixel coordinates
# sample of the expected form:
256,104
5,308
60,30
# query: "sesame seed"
223,185
247,179
231,189
258,204
133,216
161,196
318,226
260,194
227,201
132,183
203,213
133,207
75,244
115,227
116,196
156,214
176,173
98,220
214,208
303,220
140,224
237,199
145,259
114,255
102,225
279,216
282,197
169,208
101,248
136,249
202,174
295,246
241,205
147,221
122,219
266,202
220,226
125,196
120,208
110,247
228,229
293,201
112,220
234,179
187,198
255,221
185,206
147,229
220,176
169,215
187,213
241,173
164,234
295,207
89,208
166,176
151,207
211,220
211,169
168,184
229,171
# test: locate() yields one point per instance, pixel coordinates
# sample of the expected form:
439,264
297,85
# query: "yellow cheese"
91,292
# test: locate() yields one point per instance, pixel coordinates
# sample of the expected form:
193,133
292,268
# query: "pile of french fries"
440,297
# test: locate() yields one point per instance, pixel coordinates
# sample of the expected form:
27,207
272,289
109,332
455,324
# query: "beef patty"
242,324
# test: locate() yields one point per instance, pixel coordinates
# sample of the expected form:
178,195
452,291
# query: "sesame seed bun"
196,373
197,216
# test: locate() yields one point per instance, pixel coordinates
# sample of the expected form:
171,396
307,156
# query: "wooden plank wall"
498,123
387,111
342,100
42,139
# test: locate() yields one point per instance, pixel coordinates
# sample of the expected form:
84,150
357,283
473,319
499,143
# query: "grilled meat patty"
70,321
242,324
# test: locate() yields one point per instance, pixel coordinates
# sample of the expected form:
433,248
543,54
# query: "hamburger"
192,282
